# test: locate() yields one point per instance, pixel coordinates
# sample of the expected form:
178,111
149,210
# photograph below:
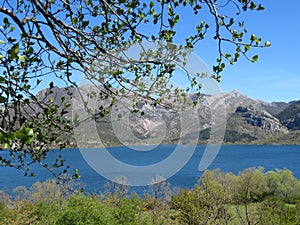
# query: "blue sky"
276,77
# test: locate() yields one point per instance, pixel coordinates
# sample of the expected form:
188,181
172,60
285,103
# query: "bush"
207,203
274,210
81,210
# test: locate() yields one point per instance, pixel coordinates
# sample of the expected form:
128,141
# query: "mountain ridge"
248,120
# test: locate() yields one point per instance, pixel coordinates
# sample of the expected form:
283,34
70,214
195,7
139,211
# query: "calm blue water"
231,158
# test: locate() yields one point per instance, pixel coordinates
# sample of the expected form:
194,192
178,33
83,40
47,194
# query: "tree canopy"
55,40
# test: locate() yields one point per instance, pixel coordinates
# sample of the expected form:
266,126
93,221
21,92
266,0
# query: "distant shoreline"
226,144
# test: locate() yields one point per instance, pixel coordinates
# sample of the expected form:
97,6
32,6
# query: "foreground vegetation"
251,197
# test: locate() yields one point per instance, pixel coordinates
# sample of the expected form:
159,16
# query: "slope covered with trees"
290,117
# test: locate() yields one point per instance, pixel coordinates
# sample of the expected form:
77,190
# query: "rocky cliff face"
256,122
250,119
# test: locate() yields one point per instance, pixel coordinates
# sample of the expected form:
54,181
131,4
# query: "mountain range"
248,121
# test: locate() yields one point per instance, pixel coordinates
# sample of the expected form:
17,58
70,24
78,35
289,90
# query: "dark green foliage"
273,210
125,210
232,136
82,210
204,134
291,138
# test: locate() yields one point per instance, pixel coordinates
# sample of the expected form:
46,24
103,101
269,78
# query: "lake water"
231,158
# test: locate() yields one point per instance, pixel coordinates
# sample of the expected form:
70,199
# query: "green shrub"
82,210
125,210
274,210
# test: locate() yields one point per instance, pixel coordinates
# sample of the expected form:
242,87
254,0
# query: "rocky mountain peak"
235,94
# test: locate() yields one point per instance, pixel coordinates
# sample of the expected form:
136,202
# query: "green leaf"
14,51
6,22
227,55
255,58
119,116
2,80
2,42
20,135
67,104
267,44
258,41
252,6
74,20
237,55
22,57
260,7
142,15
253,37
30,132
85,23
2,99
11,136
